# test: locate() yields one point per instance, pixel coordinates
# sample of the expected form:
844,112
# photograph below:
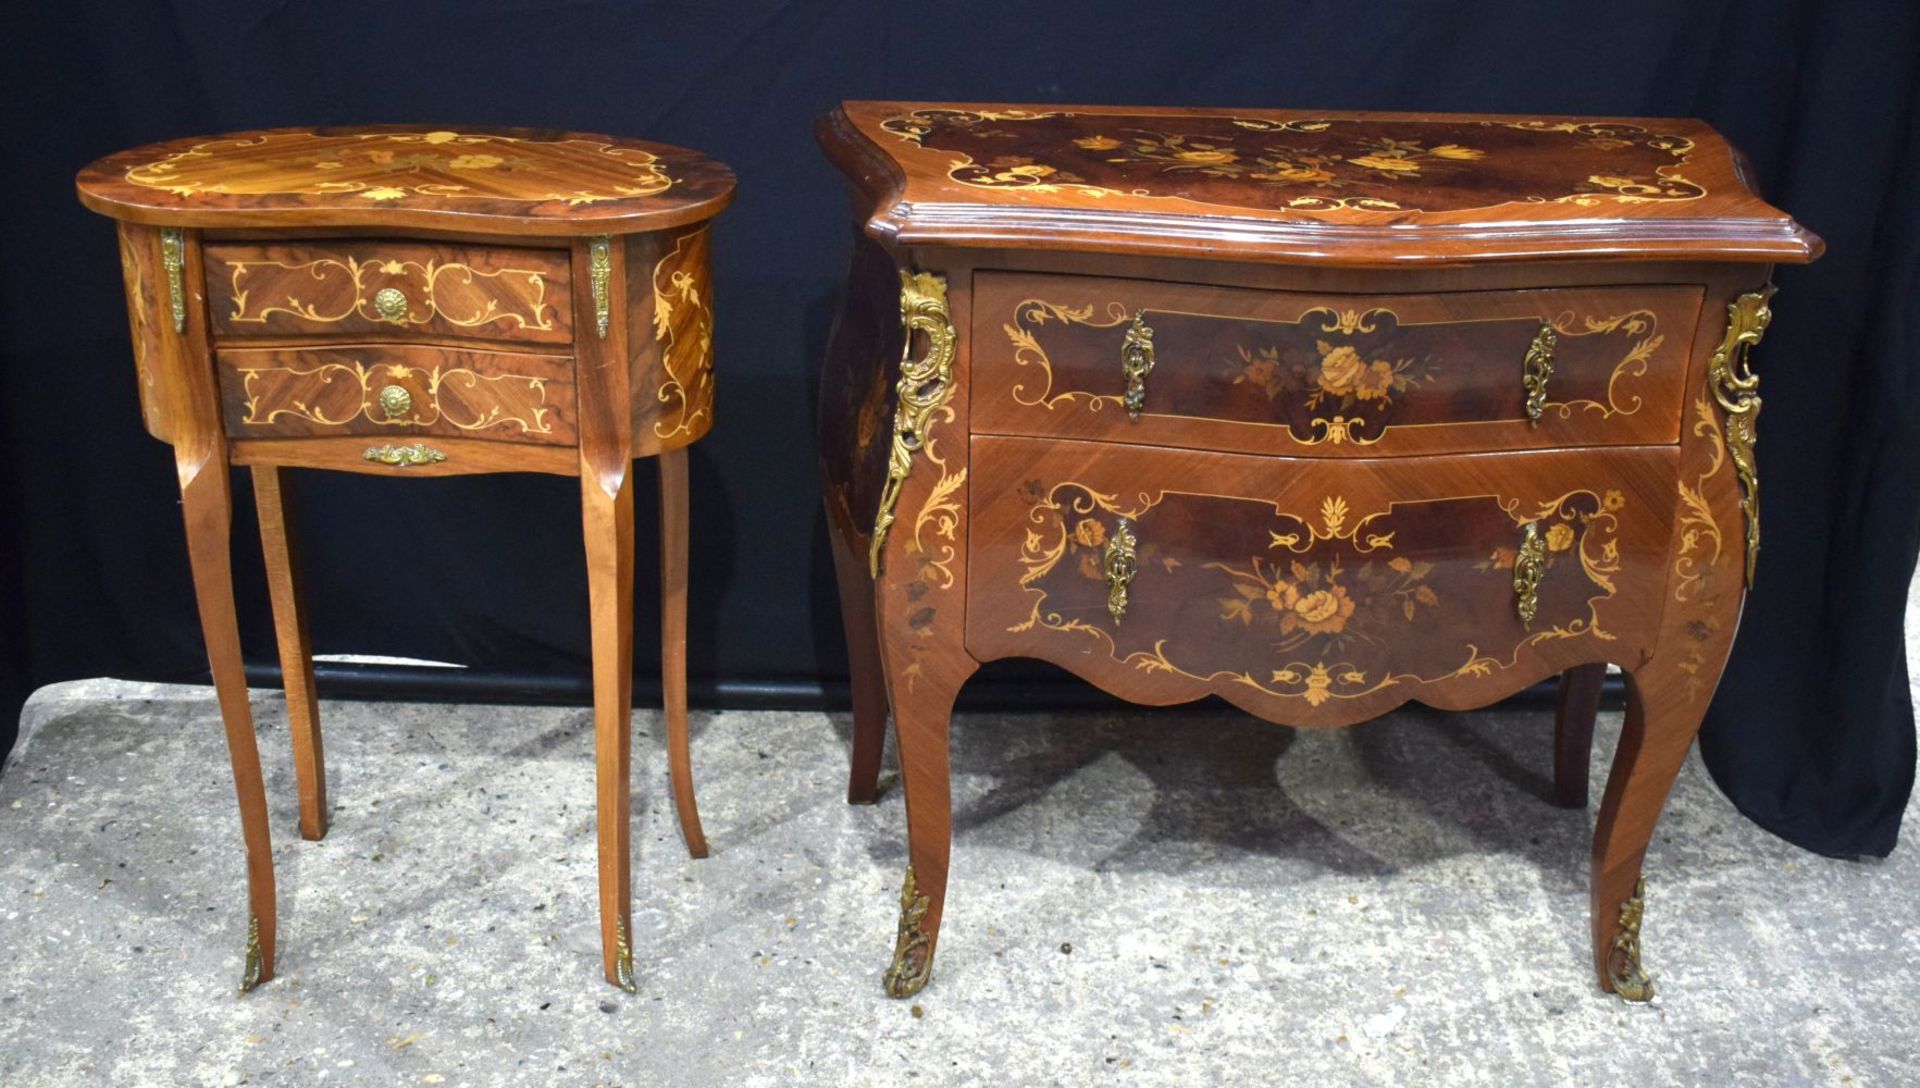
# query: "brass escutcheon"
1536,369
396,402
1528,565
391,304
1136,362
1121,565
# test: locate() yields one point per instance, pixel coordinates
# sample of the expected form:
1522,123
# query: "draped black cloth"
1812,734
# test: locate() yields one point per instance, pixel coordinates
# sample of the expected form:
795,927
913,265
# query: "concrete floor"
1168,898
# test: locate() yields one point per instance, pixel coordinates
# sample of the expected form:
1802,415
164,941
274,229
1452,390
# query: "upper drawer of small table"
378,289
1333,375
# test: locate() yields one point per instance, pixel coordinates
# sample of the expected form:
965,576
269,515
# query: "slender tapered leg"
673,642
1573,733
206,502
296,654
863,665
922,713
1664,710
608,523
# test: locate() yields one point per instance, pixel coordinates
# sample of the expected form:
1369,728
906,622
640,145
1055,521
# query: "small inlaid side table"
1317,412
408,301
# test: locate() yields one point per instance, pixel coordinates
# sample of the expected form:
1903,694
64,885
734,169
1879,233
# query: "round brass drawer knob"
391,304
396,402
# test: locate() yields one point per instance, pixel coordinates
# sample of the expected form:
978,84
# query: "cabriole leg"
673,642
1573,733
608,523
868,681
1661,721
296,653
923,708
206,501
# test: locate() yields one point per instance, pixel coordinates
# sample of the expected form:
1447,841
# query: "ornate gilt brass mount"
600,274
622,957
1136,362
1623,959
925,386
1737,390
416,454
391,304
256,963
1536,369
395,401
1121,565
911,966
173,255
1529,563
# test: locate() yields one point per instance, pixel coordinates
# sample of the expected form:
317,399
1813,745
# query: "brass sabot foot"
256,963
622,958
1624,973
912,965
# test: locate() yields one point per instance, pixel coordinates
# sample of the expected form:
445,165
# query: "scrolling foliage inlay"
452,291
1334,376
683,326
309,394
1306,164
1336,604
1697,577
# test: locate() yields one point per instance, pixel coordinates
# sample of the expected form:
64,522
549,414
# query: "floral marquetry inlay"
1335,376
1309,164
393,166
1336,603
683,327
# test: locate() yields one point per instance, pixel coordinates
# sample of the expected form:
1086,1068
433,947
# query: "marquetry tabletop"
1324,185
498,180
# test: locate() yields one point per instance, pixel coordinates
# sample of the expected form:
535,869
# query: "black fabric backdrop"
1812,735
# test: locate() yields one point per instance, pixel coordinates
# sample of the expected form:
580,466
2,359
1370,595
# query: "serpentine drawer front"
1316,412
392,289
420,302
1319,594
395,391
1360,375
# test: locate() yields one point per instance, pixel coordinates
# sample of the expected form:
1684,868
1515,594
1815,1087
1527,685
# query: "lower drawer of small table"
395,391
1316,593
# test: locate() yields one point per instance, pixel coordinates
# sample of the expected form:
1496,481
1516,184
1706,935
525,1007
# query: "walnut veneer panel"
1325,374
